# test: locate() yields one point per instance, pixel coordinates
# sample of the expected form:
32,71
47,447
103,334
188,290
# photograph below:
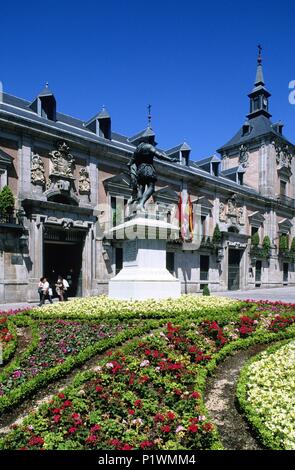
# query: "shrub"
206,290
283,243
292,249
216,235
6,201
255,239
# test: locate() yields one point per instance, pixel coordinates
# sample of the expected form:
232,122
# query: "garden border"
261,432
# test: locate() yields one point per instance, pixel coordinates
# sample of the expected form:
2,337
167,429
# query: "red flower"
137,404
177,392
72,430
95,428
67,404
36,441
61,395
166,428
170,415
115,443
126,447
146,444
56,418
207,427
56,411
91,439
99,388
131,412
158,418
195,395
193,428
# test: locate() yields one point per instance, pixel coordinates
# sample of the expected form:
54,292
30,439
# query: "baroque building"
70,185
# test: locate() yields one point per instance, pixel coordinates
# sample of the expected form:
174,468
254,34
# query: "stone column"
36,228
25,167
87,267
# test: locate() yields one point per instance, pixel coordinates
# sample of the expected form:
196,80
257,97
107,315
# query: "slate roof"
21,107
259,126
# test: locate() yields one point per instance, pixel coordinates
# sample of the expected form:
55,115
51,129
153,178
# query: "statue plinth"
144,274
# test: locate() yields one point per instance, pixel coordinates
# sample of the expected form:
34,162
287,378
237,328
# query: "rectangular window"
258,271
283,188
204,268
119,259
203,225
118,205
285,273
254,230
170,262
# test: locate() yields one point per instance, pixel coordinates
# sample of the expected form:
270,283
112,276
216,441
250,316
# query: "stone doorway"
234,258
62,256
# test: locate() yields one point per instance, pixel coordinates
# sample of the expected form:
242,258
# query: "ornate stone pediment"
231,211
118,183
84,181
37,170
166,194
285,225
256,218
63,162
243,156
284,155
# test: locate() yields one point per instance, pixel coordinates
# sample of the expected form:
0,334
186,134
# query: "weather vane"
259,53
149,115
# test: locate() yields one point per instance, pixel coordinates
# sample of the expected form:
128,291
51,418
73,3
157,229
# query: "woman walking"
46,292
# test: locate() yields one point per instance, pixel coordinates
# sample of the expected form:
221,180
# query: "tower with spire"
259,95
256,149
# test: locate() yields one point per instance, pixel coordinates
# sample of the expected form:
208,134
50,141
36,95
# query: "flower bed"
266,395
149,395
68,344
103,307
58,340
142,397
8,339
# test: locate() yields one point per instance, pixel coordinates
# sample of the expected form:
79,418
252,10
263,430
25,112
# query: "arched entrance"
62,255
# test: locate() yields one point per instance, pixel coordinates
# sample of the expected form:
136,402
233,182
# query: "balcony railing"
15,218
288,201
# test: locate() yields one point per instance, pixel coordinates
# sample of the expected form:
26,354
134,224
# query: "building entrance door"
234,258
63,257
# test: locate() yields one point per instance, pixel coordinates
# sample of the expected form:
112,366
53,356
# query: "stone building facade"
70,184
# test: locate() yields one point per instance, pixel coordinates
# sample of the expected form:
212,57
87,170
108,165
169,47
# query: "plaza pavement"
285,294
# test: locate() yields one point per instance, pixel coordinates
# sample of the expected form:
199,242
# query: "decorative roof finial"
149,115
46,85
259,58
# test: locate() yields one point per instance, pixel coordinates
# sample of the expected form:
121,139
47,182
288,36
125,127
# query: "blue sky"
193,61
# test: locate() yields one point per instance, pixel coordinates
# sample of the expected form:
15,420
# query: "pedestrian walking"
46,292
62,286
40,288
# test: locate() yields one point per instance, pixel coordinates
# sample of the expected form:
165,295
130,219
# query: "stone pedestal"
144,274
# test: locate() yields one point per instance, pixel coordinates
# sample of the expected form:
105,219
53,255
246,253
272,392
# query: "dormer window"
48,107
246,128
45,104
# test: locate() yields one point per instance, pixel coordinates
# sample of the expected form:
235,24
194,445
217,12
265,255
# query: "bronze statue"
142,171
